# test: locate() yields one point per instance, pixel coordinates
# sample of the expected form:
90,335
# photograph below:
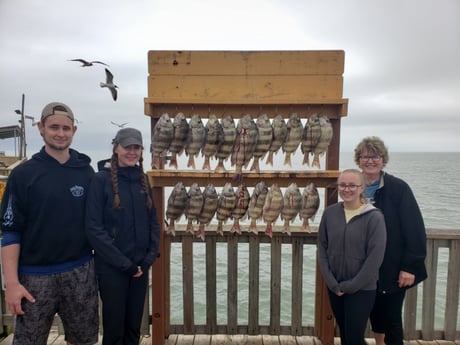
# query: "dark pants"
122,305
386,316
351,313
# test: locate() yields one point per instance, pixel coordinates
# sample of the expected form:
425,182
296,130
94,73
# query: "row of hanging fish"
265,203
248,139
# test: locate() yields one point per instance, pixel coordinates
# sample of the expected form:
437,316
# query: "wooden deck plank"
270,340
202,339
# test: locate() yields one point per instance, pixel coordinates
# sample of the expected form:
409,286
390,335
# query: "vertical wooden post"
160,273
324,319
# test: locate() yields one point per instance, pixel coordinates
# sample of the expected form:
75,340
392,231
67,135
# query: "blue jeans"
351,313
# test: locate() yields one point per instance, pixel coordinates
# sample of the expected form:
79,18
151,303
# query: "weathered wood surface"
201,339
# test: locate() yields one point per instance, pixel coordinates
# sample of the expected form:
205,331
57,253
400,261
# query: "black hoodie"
43,210
126,237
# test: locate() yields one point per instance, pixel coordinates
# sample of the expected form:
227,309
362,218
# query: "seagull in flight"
119,125
109,84
88,63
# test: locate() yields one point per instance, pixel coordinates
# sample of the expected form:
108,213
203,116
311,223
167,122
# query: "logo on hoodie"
8,216
77,191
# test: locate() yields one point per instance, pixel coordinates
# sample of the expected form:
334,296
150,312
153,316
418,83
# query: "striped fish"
179,139
292,202
162,136
245,143
228,141
194,206
279,136
210,198
264,140
272,208
310,205
213,138
256,204
177,202
225,206
324,140
293,137
241,207
195,139
310,137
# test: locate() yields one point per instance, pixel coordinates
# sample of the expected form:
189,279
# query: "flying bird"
109,84
88,63
119,125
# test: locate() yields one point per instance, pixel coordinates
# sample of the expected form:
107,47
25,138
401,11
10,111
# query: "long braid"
145,184
114,173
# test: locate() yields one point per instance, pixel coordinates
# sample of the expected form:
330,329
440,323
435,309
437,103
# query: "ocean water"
433,178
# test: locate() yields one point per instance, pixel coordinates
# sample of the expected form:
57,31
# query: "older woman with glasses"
351,244
404,261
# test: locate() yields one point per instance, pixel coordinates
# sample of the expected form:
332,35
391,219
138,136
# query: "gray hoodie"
350,254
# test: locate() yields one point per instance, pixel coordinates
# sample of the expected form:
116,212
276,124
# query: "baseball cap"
56,108
128,136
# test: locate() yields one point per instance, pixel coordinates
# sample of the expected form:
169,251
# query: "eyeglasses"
367,158
351,187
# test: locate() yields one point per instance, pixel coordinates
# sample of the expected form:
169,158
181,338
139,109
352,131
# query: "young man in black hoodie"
46,258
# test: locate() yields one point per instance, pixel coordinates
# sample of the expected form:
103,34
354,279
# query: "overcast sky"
402,69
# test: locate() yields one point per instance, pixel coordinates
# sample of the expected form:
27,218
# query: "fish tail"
306,159
315,163
305,225
269,230
252,227
270,158
287,159
191,161
190,227
206,164
219,229
171,229
173,161
255,165
220,166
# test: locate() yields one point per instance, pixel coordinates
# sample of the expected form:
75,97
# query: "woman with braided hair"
122,227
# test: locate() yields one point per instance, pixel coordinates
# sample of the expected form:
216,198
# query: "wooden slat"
452,291
248,63
244,90
211,296
410,313
297,276
429,289
275,286
254,267
232,285
164,178
187,284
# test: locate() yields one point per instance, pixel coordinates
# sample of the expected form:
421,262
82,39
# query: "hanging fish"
292,202
162,136
195,139
228,141
245,143
310,205
293,137
194,206
279,136
241,207
179,139
264,140
256,204
324,140
225,206
213,138
310,137
177,202
272,208
210,198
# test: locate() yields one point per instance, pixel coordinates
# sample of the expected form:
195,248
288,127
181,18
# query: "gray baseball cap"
128,136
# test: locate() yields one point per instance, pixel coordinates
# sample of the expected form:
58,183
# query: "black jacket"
126,237
406,236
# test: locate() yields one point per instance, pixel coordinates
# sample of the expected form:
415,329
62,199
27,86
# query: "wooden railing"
428,313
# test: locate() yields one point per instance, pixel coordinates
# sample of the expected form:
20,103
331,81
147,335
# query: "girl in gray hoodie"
351,245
